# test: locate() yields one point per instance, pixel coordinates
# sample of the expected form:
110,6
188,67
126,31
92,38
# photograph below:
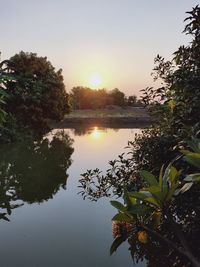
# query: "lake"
50,223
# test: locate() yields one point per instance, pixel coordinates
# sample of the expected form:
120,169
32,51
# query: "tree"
118,97
82,97
177,101
132,100
87,98
175,110
38,93
3,95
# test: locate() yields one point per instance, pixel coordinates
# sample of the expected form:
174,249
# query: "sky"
111,41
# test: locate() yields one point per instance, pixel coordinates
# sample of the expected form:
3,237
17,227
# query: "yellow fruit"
142,237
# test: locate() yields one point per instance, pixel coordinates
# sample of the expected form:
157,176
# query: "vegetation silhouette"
32,93
87,98
33,171
175,110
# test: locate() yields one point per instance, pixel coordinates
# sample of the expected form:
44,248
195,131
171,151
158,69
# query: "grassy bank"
108,113
113,118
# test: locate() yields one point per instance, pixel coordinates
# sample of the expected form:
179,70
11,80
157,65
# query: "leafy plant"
167,197
149,208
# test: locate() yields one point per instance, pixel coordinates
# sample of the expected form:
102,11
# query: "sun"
95,80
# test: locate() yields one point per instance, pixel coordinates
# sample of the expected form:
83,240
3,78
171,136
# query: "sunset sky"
107,42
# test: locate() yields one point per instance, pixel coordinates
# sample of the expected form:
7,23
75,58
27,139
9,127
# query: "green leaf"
149,178
157,193
123,217
145,197
185,152
194,144
193,159
173,175
116,243
166,175
137,195
129,201
152,201
118,205
140,209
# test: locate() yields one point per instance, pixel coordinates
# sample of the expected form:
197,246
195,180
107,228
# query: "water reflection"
82,128
154,252
97,134
94,131
54,233
33,171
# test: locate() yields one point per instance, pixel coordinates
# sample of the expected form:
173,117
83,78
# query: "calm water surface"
50,224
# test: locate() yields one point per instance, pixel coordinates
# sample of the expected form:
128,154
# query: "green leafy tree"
38,93
150,209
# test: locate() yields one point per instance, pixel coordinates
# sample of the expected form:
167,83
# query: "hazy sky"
117,39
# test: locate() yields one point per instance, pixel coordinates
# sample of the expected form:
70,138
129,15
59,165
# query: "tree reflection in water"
33,171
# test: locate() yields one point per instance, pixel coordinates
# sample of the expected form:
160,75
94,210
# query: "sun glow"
95,80
96,134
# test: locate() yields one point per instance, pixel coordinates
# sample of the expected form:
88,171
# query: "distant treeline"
87,98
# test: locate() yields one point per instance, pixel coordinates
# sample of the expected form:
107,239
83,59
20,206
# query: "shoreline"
112,122
132,117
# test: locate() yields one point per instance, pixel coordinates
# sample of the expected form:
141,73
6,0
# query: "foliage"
38,93
123,172
159,211
118,97
176,104
87,98
2,111
120,175
174,108
3,94
7,122
133,101
148,209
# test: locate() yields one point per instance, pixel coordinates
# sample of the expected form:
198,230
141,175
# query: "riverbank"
129,117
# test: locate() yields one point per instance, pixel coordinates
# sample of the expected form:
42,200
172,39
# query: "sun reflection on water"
96,134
